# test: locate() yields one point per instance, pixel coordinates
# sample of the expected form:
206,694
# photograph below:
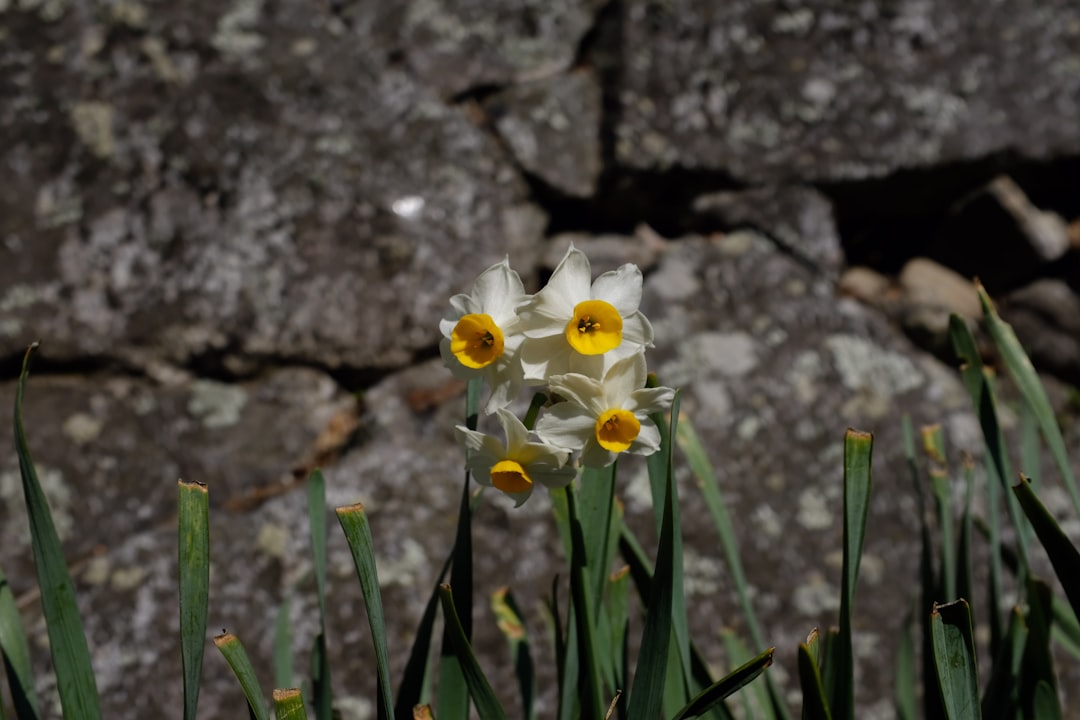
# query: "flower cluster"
583,338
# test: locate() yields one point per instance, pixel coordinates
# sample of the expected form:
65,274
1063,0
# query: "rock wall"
234,226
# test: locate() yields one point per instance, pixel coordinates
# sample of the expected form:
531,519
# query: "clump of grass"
592,625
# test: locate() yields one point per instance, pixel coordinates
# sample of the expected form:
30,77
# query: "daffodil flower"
516,467
578,325
603,418
481,333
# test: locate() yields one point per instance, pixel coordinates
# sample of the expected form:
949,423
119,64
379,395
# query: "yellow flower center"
476,341
616,429
510,477
595,328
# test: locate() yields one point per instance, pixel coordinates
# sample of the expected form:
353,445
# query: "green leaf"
283,661
194,569
977,379
321,691
755,701
589,684
1002,698
289,704
715,693
67,643
904,682
15,651
1045,704
857,452
815,706
236,656
453,699
487,705
703,471
596,496
648,689
1063,555
1023,374
354,522
414,676
508,618
954,659
1037,666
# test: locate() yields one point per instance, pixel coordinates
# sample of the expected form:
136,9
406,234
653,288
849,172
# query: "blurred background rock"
234,226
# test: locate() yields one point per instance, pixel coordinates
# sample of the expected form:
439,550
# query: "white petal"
566,425
621,288
638,330
552,477
650,400
517,436
570,283
648,440
623,378
583,391
521,497
499,291
480,468
595,456
589,365
542,357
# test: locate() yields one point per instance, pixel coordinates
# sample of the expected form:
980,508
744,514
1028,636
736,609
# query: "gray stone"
456,45
1046,318
552,127
800,219
999,236
773,94
311,203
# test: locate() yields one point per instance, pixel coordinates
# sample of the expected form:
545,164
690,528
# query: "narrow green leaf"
965,572
589,683
934,445
815,706
15,651
647,692
715,693
1045,704
283,660
705,475
618,614
67,643
289,704
453,695
977,379
954,659
321,688
413,678
354,523
1002,698
857,452
487,705
596,500
904,680
928,582
755,701
236,656
194,569
508,618
641,574
1063,555
1025,377
1066,627
1038,663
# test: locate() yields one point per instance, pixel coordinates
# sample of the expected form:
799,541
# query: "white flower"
603,418
575,325
481,333
517,466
